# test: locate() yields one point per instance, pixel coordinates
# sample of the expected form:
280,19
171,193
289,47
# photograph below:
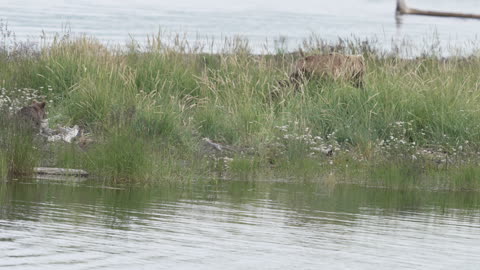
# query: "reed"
163,98
122,157
19,149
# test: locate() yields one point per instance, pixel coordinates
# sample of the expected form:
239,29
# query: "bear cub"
33,114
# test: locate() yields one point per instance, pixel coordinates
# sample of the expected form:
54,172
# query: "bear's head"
39,108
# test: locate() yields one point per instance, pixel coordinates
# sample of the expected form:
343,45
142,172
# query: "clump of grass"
20,153
3,165
69,156
121,157
19,147
464,178
163,98
399,175
244,167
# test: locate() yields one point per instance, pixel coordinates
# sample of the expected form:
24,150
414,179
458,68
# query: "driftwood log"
59,172
402,9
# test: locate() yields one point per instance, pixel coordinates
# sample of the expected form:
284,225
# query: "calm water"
235,225
115,21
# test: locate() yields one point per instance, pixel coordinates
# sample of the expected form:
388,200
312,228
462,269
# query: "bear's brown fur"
33,114
335,66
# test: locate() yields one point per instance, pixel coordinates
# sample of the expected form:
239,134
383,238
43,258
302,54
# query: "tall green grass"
19,149
3,165
166,96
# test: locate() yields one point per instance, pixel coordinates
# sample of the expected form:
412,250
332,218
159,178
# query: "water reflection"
236,223
33,200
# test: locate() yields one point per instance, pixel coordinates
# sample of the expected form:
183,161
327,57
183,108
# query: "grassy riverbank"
146,113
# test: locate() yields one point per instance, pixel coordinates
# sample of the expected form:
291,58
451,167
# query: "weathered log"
59,171
402,9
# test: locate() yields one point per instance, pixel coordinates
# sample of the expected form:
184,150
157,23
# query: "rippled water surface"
258,20
235,225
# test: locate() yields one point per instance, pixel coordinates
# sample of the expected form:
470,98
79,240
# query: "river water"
262,22
235,225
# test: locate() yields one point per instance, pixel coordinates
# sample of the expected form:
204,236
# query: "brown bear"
33,114
335,66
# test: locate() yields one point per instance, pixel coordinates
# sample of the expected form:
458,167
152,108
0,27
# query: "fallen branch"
59,171
402,9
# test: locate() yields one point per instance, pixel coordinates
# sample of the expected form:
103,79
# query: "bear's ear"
42,104
34,102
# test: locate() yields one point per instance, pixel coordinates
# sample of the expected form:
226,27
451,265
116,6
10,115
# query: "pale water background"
260,21
235,225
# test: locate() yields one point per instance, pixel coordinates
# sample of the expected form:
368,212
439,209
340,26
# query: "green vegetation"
18,150
147,111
